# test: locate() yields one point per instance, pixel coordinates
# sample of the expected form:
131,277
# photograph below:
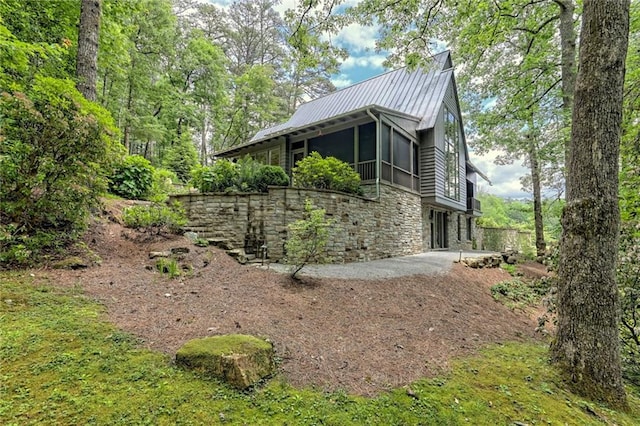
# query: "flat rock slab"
240,360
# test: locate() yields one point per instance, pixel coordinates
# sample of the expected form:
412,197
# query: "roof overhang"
319,125
473,168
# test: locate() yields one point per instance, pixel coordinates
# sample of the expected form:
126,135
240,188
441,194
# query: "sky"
364,62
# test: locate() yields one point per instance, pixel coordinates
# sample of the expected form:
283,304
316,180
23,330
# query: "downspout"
378,159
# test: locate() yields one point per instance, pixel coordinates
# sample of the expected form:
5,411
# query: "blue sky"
364,62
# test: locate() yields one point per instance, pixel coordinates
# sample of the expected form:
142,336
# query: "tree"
586,347
87,60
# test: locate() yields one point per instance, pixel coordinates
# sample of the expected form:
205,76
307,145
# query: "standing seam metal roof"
417,93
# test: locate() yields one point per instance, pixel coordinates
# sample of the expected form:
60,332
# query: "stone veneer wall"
364,229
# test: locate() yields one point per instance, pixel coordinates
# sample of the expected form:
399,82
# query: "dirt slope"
360,336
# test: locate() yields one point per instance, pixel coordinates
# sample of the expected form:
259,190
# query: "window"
401,152
367,142
386,143
451,156
459,228
469,229
274,157
336,144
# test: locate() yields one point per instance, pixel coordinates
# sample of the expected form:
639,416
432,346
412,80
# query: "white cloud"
357,38
505,179
369,61
341,81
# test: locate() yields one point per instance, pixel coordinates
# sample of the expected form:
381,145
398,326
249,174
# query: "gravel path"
429,263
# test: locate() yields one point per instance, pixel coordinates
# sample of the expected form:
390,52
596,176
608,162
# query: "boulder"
240,360
72,262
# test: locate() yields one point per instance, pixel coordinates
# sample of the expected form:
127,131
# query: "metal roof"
418,93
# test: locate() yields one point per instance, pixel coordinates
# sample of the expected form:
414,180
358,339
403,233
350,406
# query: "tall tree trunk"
568,68
87,60
586,347
541,246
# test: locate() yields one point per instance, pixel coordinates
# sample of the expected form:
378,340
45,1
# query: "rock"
154,254
179,250
73,262
240,360
482,262
511,260
239,254
191,236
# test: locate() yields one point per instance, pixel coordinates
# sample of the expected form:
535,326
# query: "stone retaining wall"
364,229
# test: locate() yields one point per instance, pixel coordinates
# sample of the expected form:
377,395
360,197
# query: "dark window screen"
336,144
367,142
401,152
386,142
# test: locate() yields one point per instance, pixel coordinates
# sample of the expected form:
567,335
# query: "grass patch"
62,364
517,293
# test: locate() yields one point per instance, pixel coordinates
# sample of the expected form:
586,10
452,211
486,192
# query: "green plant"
221,176
511,269
517,293
181,158
314,171
132,179
162,185
155,218
168,266
307,239
54,146
270,176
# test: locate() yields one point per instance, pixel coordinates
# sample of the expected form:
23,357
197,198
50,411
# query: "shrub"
155,218
132,179
245,175
53,146
162,185
307,239
270,176
314,171
221,176
517,293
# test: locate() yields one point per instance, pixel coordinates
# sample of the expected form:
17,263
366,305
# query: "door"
439,236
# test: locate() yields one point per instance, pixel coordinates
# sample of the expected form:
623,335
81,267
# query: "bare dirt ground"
359,336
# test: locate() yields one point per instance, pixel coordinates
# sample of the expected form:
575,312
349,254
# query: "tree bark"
87,60
541,246
586,347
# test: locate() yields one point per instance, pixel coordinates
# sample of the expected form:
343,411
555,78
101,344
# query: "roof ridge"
447,51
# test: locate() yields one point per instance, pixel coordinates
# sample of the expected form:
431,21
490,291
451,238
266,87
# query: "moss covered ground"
61,363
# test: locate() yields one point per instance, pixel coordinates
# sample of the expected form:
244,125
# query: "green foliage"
53,148
58,353
155,218
517,293
168,266
221,176
162,185
307,239
132,179
181,158
247,175
498,212
314,171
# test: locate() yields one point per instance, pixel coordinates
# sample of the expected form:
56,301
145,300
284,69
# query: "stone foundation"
364,229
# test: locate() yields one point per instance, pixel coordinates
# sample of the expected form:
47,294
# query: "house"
401,130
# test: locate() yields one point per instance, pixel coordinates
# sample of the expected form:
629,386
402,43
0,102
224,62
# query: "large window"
451,155
336,144
270,156
367,142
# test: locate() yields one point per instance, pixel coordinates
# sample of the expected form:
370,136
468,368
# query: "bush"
155,219
517,293
53,147
314,171
132,179
162,185
307,239
270,176
221,176
245,176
